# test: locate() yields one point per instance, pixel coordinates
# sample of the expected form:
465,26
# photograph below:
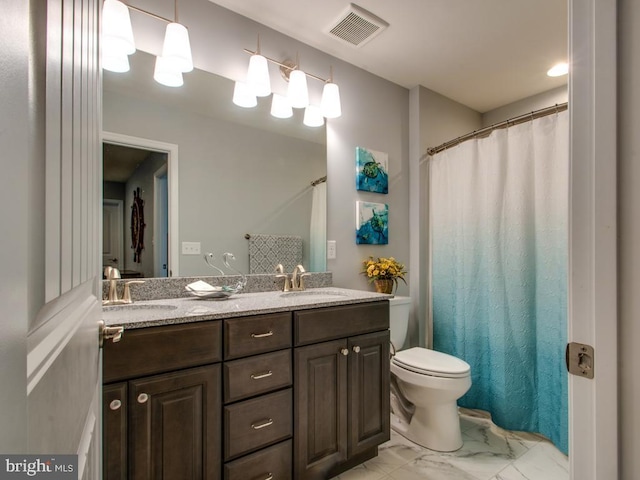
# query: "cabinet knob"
356,349
142,398
269,476
344,351
115,404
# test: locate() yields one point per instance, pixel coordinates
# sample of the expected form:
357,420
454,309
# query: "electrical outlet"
331,249
191,248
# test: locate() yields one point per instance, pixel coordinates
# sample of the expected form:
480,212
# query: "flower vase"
383,285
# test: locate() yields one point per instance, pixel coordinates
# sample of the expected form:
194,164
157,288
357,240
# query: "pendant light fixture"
330,104
258,82
280,106
117,36
166,74
298,92
176,49
243,96
313,116
258,74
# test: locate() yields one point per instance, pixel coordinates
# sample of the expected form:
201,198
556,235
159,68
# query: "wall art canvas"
372,170
372,223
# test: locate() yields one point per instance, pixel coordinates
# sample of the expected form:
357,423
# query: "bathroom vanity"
262,385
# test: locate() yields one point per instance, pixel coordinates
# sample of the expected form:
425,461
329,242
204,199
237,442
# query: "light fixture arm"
131,7
289,66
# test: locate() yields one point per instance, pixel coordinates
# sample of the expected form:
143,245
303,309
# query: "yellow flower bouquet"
384,272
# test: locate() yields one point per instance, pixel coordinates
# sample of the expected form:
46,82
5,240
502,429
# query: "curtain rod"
318,181
483,132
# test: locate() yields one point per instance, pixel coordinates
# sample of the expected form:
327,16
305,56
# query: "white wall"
629,235
526,105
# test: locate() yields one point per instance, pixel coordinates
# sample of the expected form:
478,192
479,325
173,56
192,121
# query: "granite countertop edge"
191,309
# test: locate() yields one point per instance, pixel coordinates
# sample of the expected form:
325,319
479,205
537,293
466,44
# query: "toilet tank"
399,308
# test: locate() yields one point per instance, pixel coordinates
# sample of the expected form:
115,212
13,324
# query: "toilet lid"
430,362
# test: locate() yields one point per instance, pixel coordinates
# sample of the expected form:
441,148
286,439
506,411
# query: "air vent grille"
357,26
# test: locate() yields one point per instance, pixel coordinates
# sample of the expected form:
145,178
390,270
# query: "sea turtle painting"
372,225
371,171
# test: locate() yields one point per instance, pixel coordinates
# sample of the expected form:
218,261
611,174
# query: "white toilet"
425,386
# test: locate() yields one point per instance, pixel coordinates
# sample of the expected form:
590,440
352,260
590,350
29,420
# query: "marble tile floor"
488,453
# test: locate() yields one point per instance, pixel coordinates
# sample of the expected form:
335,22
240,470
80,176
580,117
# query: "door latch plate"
580,359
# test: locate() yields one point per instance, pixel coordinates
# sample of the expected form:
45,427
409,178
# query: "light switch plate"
331,249
191,248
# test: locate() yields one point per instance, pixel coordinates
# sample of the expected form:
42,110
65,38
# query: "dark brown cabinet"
341,391
166,424
288,395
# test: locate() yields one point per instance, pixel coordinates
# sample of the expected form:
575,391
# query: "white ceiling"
481,53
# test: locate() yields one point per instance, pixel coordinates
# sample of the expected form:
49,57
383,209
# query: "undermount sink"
313,293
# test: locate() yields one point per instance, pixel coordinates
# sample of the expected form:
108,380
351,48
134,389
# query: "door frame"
171,150
593,404
158,214
120,205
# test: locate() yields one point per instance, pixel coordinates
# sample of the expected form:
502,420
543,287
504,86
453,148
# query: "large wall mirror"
240,173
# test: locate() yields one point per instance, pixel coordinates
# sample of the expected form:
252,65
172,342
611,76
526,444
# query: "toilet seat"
432,363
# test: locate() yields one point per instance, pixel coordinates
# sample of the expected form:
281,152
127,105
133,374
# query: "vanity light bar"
288,66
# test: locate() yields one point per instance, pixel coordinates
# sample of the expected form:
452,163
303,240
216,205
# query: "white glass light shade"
165,74
558,70
258,76
243,96
313,116
115,63
280,106
298,93
117,34
330,104
176,49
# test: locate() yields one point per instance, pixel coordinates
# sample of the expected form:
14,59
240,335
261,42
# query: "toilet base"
436,427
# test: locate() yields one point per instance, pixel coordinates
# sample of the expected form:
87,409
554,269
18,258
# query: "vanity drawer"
318,325
273,462
255,375
246,336
147,351
256,423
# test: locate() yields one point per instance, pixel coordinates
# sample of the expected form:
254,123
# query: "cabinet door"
368,391
114,435
320,395
175,425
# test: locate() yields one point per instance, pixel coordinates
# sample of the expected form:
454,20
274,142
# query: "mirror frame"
171,150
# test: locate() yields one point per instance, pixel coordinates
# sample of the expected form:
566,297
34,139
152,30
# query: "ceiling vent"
357,26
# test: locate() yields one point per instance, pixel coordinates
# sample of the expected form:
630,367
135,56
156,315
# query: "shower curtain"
499,244
318,230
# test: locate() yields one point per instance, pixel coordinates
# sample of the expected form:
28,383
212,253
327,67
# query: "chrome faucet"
112,274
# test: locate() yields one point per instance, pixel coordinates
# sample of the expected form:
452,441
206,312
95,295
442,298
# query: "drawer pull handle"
115,404
262,335
258,376
262,425
269,476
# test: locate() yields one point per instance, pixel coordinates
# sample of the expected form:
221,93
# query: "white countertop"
184,310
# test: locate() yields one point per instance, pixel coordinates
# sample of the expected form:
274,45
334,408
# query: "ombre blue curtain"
499,243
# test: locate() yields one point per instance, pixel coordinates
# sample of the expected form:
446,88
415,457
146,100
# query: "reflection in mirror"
242,173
